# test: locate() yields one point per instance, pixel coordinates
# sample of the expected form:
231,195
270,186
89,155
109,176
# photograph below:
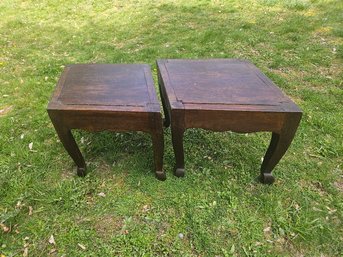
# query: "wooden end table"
222,95
114,97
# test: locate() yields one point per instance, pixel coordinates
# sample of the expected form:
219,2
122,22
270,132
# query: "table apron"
118,121
242,122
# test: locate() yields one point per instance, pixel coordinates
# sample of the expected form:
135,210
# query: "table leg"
70,145
158,147
177,139
278,146
166,120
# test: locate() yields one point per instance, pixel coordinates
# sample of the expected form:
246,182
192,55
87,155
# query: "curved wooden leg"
278,146
177,138
158,147
166,120
70,145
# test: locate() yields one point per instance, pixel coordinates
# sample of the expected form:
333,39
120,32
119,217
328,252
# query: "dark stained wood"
114,97
222,95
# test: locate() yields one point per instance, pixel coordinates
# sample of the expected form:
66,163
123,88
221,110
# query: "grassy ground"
219,208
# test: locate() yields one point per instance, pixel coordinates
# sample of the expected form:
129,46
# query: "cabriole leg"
278,146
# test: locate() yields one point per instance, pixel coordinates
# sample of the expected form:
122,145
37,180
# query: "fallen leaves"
4,228
26,247
102,194
52,240
7,229
19,205
53,250
26,250
31,147
268,233
145,208
30,210
5,110
82,246
267,229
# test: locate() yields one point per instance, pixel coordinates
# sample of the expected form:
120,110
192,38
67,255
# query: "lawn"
219,208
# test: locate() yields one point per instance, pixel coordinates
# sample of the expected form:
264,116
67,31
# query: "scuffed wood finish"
114,97
225,95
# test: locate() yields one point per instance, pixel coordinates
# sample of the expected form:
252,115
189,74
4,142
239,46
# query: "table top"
108,87
228,84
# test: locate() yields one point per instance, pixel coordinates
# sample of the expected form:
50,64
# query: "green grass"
219,207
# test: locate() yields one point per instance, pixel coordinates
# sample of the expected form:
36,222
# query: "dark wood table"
114,97
222,95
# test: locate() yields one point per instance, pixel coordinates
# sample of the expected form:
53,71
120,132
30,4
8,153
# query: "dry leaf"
102,194
5,228
26,252
19,205
5,110
146,208
82,246
30,210
52,240
53,250
267,229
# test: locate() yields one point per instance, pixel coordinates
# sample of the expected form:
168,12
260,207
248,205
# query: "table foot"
179,172
279,144
160,175
267,178
81,171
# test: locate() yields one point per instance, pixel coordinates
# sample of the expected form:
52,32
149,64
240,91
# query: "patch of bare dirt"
108,225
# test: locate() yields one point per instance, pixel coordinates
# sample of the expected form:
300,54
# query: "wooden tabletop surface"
111,87
221,84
